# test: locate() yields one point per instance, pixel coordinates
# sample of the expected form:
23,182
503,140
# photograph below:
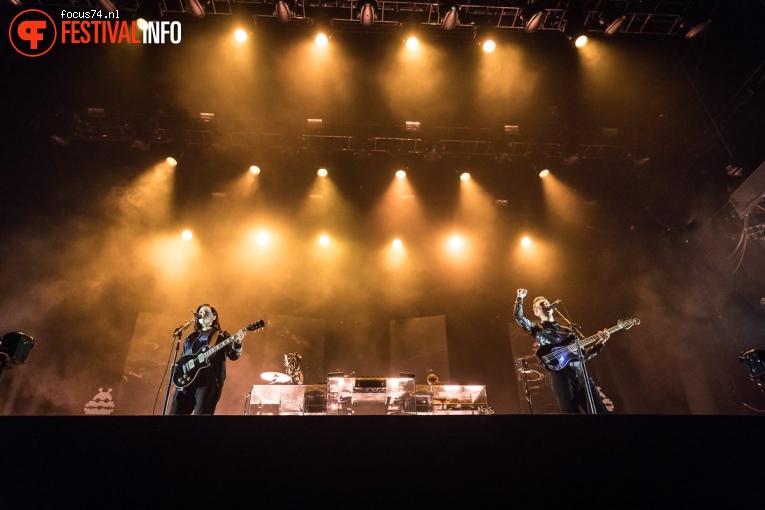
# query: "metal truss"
143,131
648,17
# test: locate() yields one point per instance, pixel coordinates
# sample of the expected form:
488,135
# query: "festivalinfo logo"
33,32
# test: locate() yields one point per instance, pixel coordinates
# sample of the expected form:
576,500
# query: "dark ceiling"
678,122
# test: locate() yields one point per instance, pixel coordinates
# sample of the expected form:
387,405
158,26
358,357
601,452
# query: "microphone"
553,305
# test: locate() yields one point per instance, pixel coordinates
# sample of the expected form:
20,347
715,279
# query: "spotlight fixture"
432,154
282,11
574,28
451,18
107,5
697,29
532,16
581,41
368,13
195,7
321,39
613,22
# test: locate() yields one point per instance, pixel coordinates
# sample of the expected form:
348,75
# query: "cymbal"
275,377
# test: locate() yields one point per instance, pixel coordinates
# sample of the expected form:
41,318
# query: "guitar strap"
216,338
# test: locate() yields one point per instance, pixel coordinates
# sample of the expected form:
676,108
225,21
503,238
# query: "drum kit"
292,366
275,377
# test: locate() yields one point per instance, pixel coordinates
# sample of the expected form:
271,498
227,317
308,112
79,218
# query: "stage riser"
127,456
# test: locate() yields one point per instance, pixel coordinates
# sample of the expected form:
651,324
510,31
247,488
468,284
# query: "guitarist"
568,382
203,394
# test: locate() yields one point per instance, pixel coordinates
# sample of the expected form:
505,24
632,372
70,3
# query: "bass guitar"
556,357
188,367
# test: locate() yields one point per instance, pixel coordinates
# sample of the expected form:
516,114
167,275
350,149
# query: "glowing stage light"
581,41
322,172
526,242
186,235
321,39
465,176
171,161
263,238
456,242
489,46
400,174
324,240
397,244
412,43
255,170
544,174
240,35
142,24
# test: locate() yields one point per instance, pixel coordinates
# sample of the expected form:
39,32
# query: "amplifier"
370,385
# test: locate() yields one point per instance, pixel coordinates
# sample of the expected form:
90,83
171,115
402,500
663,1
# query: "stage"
143,461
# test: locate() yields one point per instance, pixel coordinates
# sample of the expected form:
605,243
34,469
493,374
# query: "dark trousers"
569,388
201,397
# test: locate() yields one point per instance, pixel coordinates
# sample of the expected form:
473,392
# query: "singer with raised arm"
199,383
565,366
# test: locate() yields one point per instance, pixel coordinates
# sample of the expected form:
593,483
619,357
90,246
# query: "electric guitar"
556,357
188,367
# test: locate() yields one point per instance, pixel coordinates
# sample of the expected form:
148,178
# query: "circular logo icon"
32,33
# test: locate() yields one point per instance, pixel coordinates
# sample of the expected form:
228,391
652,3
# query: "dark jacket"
218,360
551,333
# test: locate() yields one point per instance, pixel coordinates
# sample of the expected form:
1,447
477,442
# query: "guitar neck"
595,338
220,345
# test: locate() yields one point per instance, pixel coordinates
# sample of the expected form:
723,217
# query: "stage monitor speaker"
750,192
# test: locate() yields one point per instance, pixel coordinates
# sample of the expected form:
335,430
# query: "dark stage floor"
136,461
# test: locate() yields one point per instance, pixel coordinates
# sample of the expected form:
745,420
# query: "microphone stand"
177,340
580,355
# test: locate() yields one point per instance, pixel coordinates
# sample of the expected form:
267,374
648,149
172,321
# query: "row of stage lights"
322,38
611,20
454,243
323,172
